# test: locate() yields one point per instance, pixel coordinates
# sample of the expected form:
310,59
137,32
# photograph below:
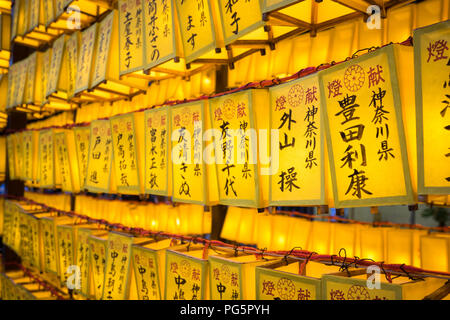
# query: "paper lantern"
399,246
344,237
372,244
230,227
340,286
158,173
196,220
149,268
244,161
430,87
162,216
435,253
233,277
246,226
321,235
299,234
97,261
281,230
295,113
375,89
186,275
193,175
281,280
265,230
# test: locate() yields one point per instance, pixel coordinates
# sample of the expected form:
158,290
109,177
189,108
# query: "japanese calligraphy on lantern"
65,251
71,58
196,27
100,157
82,137
188,169
235,148
97,264
432,70
280,285
82,253
157,151
24,244
125,154
55,65
145,264
45,75
364,127
20,78
131,35
225,280
117,270
159,32
49,245
343,288
86,55
46,159
185,277
295,114
18,150
28,147
62,157
34,242
102,51
30,84
239,17
59,7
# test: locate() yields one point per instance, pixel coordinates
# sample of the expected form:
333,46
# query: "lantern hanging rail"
41,282
301,255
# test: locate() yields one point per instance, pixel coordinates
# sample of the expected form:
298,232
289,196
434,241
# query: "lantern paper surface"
186,275
100,157
160,32
192,180
364,126
157,161
341,287
125,154
239,18
117,268
82,140
196,28
432,103
46,159
238,119
97,261
295,113
85,60
131,35
55,65
66,253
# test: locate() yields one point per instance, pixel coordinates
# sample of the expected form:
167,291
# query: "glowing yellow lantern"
183,214
265,224
372,244
97,263
149,268
229,112
356,82
341,286
344,237
281,280
281,229
299,233
232,277
399,246
162,216
188,264
231,224
246,226
435,253
321,235
430,77
196,219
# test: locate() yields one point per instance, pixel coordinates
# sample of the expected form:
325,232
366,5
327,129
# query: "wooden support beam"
291,20
440,293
